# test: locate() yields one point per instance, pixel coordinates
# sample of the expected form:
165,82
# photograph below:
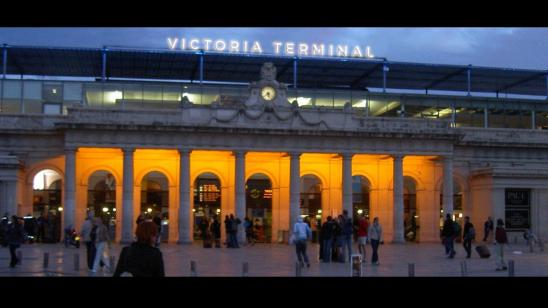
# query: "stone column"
294,188
239,187
447,185
11,198
69,206
185,236
127,196
347,183
398,200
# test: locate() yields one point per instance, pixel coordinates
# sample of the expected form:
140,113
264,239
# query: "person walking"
228,230
346,236
85,233
337,239
363,225
487,228
16,236
326,234
375,236
468,235
158,221
216,231
500,240
248,225
101,241
302,234
448,236
234,222
204,230
142,259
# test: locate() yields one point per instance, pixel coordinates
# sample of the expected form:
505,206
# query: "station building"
189,136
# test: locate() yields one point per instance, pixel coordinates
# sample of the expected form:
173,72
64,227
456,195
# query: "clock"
268,93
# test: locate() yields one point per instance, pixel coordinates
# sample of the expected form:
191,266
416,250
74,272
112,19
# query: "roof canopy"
311,72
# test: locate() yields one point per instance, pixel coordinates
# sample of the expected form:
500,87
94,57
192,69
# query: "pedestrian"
468,235
375,237
158,221
326,234
228,230
102,240
413,227
4,223
363,225
248,225
85,233
487,228
234,222
140,219
302,234
448,235
500,240
204,230
346,235
142,259
16,236
216,231
338,240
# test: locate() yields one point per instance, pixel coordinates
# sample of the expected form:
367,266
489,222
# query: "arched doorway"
155,200
101,200
457,214
207,201
47,205
311,202
258,200
410,209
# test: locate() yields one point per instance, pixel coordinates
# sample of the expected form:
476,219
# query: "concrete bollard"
511,268
193,272
112,264
411,269
298,269
76,262
46,260
245,269
463,269
19,257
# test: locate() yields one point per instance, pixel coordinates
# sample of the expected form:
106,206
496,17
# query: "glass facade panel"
152,93
32,90
304,98
210,95
192,94
133,93
233,96
112,95
384,107
72,91
12,89
52,92
340,98
93,95
172,94
324,99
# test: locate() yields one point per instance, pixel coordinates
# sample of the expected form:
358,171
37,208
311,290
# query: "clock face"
268,93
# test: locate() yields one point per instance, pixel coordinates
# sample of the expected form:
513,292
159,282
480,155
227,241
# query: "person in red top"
500,240
363,225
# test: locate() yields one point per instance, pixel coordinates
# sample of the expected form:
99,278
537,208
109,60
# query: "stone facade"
264,136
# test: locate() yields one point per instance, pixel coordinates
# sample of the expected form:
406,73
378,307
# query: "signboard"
518,209
281,48
356,265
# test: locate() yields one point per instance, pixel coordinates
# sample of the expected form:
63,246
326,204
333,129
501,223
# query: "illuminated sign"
277,47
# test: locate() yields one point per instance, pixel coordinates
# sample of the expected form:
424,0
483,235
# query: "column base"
184,242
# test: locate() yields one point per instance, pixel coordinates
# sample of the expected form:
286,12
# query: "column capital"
397,156
69,149
239,153
128,150
184,150
347,155
294,154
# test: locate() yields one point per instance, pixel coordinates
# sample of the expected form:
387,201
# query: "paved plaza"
275,260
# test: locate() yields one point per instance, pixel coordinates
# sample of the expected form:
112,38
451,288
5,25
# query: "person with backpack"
16,236
500,240
468,235
302,234
346,235
448,234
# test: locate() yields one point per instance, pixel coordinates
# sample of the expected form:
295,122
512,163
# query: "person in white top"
375,236
101,240
302,233
85,233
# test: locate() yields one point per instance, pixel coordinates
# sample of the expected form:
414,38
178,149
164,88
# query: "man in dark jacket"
327,237
216,231
16,236
448,236
468,235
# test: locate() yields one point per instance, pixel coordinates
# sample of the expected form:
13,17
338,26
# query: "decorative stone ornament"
267,93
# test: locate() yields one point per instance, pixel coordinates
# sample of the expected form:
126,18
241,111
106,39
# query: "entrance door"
46,206
155,201
102,199
207,201
411,213
258,199
311,202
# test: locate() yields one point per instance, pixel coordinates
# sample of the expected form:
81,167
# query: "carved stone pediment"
267,92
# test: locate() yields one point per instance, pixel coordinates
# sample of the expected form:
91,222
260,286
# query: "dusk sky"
497,47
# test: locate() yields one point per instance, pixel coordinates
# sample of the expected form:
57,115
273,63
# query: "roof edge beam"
522,81
445,78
